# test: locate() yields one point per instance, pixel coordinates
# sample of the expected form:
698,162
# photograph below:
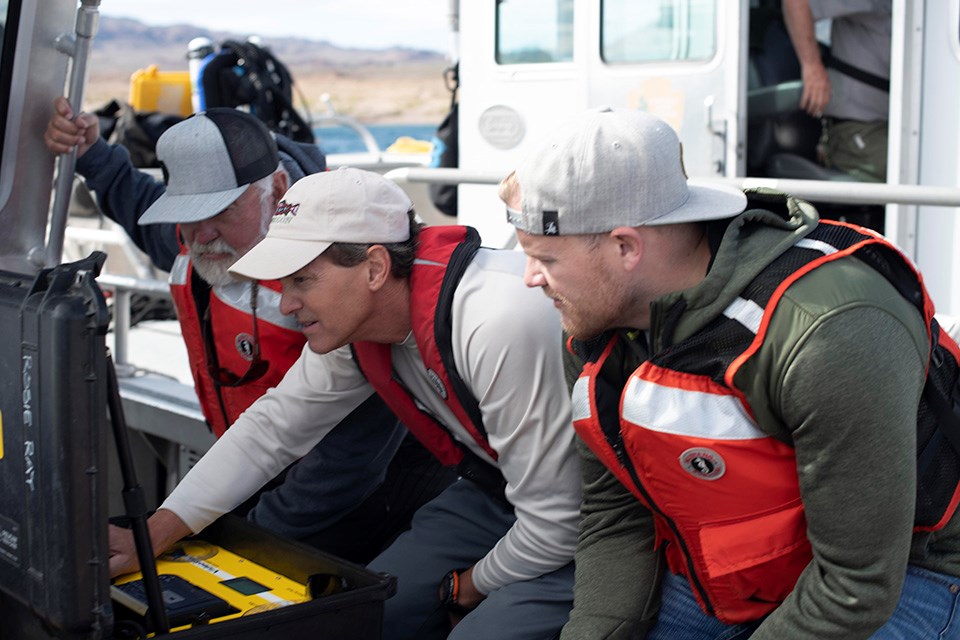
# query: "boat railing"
154,404
336,120
815,190
123,288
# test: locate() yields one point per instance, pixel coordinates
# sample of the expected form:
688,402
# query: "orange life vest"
683,439
229,337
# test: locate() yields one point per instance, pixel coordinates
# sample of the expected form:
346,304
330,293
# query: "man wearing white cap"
224,173
448,335
745,384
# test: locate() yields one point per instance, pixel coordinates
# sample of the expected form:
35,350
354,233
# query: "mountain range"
393,84
123,41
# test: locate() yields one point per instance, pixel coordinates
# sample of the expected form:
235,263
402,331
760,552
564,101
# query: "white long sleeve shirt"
507,348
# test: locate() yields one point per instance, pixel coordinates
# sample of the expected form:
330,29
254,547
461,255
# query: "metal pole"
87,20
121,325
816,190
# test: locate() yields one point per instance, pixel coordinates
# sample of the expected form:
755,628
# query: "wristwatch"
450,592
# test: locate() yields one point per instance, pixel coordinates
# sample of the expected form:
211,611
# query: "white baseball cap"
344,205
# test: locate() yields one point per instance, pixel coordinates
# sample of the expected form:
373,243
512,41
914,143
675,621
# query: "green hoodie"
839,377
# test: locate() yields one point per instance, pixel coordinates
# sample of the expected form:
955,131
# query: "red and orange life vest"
683,439
229,333
443,254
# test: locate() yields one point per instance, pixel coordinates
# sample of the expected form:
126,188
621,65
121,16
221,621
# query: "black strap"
847,69
135,505
483,474
460,259
945,409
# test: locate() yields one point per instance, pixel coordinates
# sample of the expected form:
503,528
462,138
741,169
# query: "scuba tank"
199,52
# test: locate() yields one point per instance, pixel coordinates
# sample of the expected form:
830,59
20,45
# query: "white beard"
214,272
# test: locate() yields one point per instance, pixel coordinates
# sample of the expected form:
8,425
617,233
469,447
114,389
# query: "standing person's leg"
928,609
453,531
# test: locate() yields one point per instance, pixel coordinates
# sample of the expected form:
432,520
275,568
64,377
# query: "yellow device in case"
202,582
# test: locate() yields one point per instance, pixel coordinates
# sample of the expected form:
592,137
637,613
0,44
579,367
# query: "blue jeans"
929,609
681,618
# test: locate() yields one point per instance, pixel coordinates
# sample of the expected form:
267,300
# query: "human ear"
280,184
630,246
378,266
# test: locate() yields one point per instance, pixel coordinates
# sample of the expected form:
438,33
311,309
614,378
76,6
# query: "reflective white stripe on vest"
237,295
178,272
817,245
746,312
429,263
581,398
687,413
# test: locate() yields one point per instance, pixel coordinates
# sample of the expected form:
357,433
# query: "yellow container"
406,144
163,91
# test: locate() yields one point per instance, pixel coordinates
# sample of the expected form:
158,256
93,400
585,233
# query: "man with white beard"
224,173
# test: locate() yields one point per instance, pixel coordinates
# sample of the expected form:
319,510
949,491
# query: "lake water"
346,140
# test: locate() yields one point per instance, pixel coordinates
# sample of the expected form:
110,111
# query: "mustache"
199,250
553,295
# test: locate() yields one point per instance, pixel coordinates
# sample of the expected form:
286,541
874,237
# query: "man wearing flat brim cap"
224,173
448,335
745,381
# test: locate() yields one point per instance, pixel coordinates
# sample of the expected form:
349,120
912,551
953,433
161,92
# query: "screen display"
246,586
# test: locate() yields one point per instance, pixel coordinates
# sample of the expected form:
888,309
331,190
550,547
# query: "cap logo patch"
285,212
437,383
551,223
703,463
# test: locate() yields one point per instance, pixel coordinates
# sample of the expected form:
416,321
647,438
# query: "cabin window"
534,31
658,30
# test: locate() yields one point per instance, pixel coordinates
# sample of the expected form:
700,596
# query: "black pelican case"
53,540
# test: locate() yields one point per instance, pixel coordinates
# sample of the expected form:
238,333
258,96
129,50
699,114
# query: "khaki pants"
858,148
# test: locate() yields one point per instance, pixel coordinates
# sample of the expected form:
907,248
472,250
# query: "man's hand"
468,597
64,131
798,19
165,529
123,552
816,89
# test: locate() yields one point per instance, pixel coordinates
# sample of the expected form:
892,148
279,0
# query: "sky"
374,24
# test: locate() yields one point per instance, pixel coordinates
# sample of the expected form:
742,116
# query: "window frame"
497,50
693,61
